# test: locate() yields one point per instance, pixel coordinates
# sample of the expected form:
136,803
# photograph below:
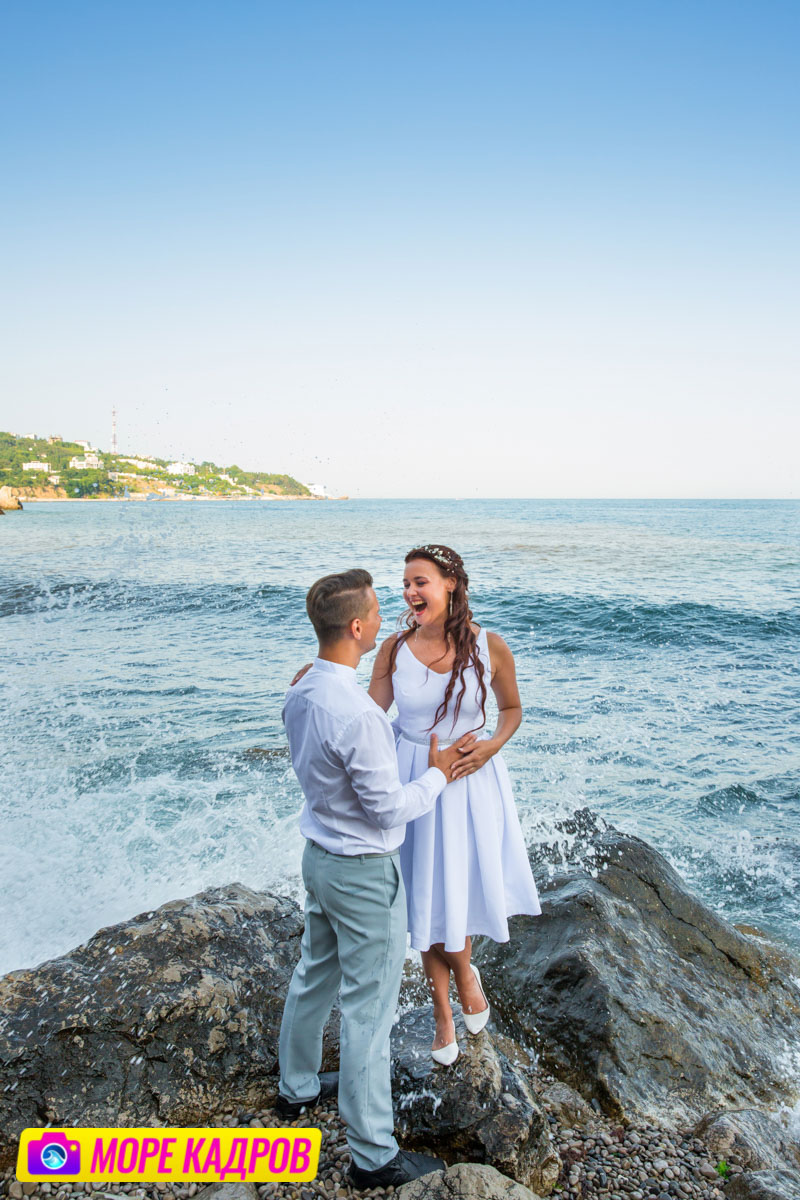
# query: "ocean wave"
561,623
736,798
776,792
46,598
570,624
177,764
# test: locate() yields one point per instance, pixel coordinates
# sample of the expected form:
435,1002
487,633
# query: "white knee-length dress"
464,863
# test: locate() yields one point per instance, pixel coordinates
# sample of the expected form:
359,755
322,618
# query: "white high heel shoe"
475,1022
446,1055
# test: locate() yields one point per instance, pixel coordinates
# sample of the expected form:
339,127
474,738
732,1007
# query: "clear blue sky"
410,249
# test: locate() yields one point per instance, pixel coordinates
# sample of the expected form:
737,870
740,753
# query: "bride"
464,864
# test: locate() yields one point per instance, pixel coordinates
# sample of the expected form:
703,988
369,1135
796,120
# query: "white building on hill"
36,466
181,468
142,463
89,462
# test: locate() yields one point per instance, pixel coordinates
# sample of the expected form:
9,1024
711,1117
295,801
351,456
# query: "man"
354,818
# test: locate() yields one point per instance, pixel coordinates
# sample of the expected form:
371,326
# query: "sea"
147,647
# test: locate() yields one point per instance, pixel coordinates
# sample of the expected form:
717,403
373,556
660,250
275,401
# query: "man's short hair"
336,600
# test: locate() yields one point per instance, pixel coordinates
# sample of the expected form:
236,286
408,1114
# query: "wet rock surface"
635,993
155,1021
479,1109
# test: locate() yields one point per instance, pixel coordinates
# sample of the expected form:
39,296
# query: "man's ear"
356,628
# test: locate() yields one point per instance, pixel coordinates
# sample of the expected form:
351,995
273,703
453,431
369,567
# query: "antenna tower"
113,431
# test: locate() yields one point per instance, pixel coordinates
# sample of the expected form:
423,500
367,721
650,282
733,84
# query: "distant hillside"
53,467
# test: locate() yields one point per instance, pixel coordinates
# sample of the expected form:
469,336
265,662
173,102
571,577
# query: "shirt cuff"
436,776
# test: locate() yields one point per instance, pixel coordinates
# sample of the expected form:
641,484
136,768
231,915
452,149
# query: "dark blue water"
147,647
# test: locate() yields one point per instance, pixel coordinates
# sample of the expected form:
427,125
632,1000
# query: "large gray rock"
764,1185
465,1181
160,1020
480,1109
754,1139
636,993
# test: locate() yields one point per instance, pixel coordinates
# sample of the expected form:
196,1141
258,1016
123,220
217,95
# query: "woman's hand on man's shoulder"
380,685
385,647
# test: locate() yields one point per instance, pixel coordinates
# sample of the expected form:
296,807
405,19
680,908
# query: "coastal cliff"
51,468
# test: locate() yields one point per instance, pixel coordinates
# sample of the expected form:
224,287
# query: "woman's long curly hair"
458,631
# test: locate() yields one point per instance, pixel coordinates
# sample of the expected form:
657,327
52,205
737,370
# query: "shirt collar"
324,664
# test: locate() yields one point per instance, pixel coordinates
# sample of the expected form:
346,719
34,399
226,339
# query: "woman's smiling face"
426,591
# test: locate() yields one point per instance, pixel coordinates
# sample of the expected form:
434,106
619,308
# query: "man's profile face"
371,623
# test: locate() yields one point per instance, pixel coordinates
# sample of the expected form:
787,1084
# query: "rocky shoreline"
598,1159
640,1048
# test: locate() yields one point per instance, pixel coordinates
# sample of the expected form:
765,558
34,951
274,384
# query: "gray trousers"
354,939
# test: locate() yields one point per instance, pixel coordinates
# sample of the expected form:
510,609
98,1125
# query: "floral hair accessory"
440,556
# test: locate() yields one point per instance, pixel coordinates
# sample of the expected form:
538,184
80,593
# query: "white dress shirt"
343,753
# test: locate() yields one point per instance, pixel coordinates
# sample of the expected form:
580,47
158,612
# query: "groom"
354,818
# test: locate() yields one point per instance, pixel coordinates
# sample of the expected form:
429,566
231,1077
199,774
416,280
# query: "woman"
464,864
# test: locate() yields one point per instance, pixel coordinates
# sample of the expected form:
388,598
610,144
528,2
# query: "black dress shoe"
405,1166
328,1086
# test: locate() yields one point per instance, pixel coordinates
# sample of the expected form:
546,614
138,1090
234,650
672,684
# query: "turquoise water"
147,647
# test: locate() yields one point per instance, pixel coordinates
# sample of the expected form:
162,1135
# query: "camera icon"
54,1155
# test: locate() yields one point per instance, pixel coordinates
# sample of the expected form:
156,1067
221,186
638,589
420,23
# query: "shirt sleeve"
366,748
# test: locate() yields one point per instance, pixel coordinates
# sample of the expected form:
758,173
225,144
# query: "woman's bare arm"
504,686
506,692
380,685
